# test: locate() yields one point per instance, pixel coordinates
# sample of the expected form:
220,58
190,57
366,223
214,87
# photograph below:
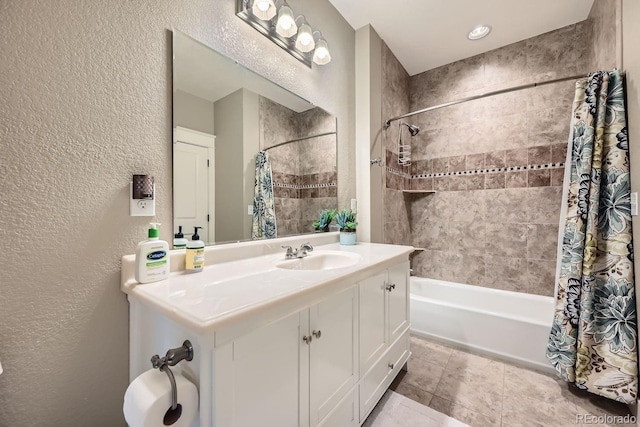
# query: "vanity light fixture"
275,20
479,31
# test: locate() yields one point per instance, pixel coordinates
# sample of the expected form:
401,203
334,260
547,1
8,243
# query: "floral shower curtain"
264,215
593,338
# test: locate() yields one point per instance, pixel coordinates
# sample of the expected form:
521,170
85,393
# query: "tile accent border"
482,171
309,186
539,166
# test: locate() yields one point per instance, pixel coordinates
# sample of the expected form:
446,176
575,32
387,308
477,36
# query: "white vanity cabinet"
275,347
384,332
292,372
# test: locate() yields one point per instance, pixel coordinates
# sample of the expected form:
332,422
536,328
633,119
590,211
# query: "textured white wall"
85,103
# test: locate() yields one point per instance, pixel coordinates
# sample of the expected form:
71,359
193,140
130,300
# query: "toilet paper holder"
172,358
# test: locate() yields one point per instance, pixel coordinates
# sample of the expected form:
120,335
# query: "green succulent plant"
346,220
326,217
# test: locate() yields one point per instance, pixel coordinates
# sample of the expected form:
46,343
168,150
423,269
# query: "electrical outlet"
249,209
354,204
634,203
141,207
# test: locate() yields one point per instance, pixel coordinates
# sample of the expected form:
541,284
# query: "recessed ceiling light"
479,32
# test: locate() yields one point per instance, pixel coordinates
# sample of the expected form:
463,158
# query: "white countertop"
234,290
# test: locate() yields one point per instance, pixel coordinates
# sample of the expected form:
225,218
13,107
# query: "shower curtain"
264,216
593,338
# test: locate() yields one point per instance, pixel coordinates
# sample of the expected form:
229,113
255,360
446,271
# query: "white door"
191,189
398,300
332,353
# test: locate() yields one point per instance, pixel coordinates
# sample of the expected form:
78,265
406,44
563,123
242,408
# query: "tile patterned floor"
483,392
395,410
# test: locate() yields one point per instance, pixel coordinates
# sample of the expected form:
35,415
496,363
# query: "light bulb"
304,41
286,25
321,55
264,9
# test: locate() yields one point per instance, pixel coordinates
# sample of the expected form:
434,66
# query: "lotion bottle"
152,257
179,242
194,260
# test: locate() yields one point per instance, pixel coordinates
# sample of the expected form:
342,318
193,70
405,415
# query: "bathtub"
511,326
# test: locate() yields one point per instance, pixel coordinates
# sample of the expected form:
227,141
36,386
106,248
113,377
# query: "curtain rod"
471,98
300,139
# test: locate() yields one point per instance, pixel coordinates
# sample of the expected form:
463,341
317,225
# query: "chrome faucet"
298,253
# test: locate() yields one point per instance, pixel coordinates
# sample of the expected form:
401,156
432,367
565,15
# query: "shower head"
413,129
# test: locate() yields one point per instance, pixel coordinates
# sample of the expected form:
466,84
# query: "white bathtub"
507,325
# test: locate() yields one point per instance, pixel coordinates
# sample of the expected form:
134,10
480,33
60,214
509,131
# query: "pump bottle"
152,257
194,260
179,242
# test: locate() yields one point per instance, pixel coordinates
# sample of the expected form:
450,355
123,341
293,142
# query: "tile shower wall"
304,172
496,163
395,101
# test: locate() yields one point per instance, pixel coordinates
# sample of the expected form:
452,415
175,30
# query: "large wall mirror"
223,115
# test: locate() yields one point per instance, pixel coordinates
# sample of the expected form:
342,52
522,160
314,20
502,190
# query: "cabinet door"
267,376
345,414
372,320
398,298
332,353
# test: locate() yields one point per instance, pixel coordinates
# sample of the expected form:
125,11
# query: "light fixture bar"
285,39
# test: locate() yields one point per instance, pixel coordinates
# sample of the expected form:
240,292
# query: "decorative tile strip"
300,187
483,171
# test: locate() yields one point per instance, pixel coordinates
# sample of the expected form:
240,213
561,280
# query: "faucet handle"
304,248
290,252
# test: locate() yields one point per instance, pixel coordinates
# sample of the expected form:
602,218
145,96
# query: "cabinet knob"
317,333
391,286
391,365
307,339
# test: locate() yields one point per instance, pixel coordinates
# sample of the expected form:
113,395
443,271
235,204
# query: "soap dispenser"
152,257
179,242
195,253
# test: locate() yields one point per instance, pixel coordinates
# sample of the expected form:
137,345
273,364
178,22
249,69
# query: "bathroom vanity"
278,342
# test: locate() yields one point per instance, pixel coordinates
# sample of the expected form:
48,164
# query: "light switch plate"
354,204
249,209
634,203
141,207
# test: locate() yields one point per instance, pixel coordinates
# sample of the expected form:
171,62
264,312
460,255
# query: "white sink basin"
324,260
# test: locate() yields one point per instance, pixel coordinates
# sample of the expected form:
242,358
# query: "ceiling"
425,34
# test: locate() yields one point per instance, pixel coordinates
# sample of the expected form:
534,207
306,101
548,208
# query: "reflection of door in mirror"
193,180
